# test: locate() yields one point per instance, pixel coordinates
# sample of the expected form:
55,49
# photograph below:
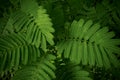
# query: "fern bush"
59,40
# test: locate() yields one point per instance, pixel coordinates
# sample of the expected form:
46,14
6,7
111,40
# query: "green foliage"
35,22
43,69
59,39
15,51
87,43
75,72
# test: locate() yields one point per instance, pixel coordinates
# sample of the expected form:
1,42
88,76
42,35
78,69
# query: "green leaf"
85,53
88,48
15,51
68,49
91,54
71,71
37,71
33,20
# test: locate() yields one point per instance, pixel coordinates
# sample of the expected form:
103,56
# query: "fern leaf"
71,71
26,55
84,28
37,41
43,43
91,31
112,57
61,47
30,31
99,59
33,20
80,52
72,29
105,57
85,57
87,42
73,50
15,51
17,59
68,49
80,24
49,37
43,69
12,59
91,54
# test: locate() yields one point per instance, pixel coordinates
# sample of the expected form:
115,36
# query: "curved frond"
35,22
41,70
15,51
71,71
88,43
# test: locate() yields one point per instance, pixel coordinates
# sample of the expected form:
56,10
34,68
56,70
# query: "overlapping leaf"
71,71
41,70
15,51
88,43
33,20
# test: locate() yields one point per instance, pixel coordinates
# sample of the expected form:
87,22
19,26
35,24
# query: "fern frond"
43,69
35,22
71,71
44,26
15,51
88,43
